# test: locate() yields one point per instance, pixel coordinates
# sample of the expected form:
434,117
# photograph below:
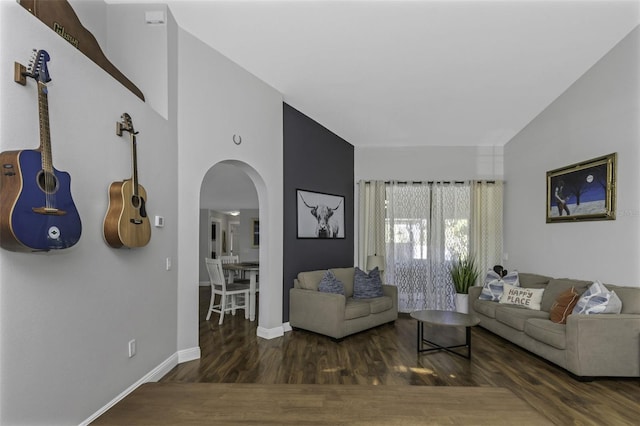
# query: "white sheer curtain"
408,210
426,227
450,213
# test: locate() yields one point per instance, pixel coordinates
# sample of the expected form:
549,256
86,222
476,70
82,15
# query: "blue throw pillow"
331,284
367,286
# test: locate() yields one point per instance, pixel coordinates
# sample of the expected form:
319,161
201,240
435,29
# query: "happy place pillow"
494,285
598,300
526,297
366,286
331,284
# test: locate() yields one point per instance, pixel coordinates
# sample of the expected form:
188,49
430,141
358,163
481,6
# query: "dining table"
251,269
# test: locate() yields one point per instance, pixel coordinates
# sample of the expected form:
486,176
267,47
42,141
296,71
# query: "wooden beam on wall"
62,19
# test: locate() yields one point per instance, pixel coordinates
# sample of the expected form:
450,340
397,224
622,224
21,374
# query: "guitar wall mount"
19,73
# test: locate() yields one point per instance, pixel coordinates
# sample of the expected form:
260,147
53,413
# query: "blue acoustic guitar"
37,212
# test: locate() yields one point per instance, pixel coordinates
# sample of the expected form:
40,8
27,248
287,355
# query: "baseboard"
153,376
189,354
287,326
270,333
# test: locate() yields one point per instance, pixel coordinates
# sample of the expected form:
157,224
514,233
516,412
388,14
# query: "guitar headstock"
126,125
37,68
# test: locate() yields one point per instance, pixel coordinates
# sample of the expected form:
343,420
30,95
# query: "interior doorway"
234,241
215,241
229,207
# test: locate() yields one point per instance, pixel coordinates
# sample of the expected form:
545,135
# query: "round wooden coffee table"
445,318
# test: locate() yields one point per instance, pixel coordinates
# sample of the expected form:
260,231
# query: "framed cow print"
320,215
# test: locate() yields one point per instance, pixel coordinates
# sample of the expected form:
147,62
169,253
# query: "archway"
239,187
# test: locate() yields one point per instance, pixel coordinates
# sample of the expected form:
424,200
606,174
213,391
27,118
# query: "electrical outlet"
168,264
132,348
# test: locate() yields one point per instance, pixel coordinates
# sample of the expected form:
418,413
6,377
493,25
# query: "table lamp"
375,260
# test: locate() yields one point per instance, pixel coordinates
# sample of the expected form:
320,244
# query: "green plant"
464,274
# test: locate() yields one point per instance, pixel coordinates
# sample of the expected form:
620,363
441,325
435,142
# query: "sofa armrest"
474,293
316,311
392,292
603,345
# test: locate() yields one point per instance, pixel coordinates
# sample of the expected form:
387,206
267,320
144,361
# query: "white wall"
596,116
428,163
140,51
248,253
66,317
210,112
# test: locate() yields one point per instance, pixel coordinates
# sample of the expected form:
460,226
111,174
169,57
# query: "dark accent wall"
315,159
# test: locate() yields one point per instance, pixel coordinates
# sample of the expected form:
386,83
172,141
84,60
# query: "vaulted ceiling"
409,73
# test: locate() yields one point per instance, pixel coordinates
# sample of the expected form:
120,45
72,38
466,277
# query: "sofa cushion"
598,300
346,276
330,284
547,332
485,307
367,286
528,280
355,308
630,297
557,286
310,280
526,297
379,304
516,317
563,306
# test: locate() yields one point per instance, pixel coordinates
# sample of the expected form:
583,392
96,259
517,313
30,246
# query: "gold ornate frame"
583,191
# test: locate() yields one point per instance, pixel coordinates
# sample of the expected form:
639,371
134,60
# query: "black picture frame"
320,215
587,188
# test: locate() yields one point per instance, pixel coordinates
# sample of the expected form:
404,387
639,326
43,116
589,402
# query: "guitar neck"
45,136
134,160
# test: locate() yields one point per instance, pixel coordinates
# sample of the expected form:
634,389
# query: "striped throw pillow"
494,285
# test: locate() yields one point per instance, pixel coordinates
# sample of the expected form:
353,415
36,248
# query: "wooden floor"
385,358
240,403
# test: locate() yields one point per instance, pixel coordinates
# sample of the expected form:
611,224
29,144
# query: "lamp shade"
373,261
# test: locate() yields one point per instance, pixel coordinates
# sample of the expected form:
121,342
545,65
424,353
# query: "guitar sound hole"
135,200
47,182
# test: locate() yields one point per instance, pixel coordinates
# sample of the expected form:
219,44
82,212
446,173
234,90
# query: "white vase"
462,303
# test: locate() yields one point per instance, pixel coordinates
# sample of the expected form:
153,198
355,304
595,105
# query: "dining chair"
229,292
230,259
233,277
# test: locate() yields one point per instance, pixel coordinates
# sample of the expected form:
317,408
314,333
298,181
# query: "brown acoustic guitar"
126,222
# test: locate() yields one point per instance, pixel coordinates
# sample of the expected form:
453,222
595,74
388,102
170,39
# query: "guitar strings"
49,178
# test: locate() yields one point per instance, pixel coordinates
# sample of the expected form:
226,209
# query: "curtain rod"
430,182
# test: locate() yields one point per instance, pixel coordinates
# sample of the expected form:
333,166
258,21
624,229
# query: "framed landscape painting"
583,191
320,215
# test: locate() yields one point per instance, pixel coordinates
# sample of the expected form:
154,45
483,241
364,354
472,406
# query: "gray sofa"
587,345
337,315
